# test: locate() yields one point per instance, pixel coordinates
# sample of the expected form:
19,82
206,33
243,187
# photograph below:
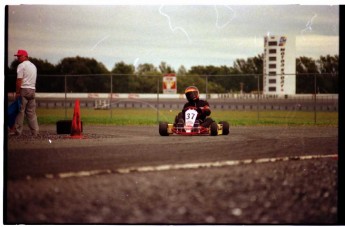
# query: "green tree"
123,68
306,69
328,64
249,68
182,71
252,65
45,81
191,80
147,69
80,65
146,80
198,70
88,75
89,70
124,72
165,68
327,82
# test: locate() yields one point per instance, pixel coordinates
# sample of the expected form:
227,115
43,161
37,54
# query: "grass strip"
145,116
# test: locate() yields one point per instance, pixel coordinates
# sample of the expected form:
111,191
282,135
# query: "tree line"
242,76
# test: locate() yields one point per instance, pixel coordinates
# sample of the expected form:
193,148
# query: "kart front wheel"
226,127
163,129
214,129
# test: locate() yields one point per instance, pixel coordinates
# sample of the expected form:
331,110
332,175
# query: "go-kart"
191,126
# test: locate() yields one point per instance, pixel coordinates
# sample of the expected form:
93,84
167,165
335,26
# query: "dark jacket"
201,106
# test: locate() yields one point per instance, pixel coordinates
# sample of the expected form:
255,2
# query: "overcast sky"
178,35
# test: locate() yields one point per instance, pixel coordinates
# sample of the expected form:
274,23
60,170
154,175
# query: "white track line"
184,166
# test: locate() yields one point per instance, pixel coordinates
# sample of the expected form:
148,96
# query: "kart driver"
201,106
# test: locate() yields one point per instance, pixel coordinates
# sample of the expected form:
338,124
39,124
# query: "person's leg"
179,119
32,117
20,116
207,122
31,112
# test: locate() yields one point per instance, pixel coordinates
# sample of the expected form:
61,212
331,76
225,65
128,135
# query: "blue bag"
12,112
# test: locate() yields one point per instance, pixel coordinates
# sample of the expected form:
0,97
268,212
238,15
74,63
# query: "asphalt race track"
131,175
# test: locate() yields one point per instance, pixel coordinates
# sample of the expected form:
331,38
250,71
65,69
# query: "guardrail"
43,95
250,102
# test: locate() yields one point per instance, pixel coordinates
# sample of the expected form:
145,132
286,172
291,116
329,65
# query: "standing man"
25,89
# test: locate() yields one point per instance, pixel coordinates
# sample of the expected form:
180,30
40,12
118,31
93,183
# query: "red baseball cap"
21,53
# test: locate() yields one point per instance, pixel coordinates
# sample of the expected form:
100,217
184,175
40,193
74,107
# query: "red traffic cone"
76,122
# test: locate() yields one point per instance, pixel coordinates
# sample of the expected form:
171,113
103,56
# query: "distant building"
279,65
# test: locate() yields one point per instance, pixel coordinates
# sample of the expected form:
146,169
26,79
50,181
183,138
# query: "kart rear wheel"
163,129
226,127
214,129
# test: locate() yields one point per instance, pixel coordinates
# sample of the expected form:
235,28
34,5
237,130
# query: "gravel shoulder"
281,192
298,192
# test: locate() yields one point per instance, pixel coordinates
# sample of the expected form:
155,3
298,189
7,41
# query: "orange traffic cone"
76,122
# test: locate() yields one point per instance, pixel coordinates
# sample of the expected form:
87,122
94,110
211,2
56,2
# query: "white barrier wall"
172,96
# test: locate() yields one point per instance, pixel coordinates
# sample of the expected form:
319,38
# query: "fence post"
158,80
111,96
258,101
65,97
206,89
314,98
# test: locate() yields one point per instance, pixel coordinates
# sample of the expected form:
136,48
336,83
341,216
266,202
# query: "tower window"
272,89
272,66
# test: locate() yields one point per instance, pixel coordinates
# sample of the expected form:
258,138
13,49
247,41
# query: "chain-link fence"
244,92
306,83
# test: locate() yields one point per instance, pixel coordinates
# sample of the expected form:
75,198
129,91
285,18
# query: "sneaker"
14,133
11,131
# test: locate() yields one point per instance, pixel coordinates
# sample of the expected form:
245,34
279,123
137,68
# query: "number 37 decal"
190,116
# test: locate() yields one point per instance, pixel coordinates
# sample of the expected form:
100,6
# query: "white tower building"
279,65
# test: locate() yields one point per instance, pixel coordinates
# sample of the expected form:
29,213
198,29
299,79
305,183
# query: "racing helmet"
192,93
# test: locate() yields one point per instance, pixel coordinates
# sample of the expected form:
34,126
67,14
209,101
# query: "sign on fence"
102,104
169,84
